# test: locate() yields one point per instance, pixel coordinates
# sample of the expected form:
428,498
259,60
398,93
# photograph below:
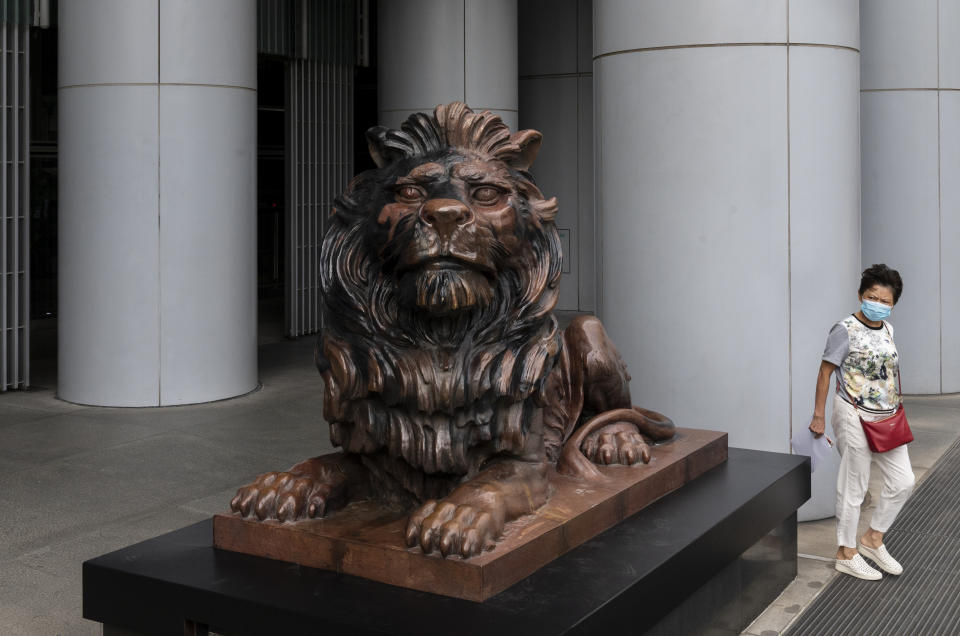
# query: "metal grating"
14,195
319,147
922,600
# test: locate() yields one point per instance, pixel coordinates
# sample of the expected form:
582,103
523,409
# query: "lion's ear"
377,144
529,143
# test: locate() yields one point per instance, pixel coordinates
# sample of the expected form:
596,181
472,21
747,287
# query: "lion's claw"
266,504
462,530
287,509
318,507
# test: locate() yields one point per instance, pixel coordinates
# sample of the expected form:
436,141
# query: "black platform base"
709,557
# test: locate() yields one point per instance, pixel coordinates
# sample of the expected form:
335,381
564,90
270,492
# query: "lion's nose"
445,215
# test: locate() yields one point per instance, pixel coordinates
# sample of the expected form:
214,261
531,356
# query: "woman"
861,353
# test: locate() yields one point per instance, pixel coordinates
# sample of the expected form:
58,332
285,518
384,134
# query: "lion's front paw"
287,496
616,444
460,529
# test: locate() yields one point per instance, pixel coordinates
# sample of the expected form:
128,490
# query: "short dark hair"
882,275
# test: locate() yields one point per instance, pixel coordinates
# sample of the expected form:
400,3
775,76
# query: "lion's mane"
439,393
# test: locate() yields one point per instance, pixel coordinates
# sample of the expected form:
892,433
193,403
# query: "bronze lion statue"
447,382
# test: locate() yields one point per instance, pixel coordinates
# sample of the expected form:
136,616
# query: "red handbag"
890,432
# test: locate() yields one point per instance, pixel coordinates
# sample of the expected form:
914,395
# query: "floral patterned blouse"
867,364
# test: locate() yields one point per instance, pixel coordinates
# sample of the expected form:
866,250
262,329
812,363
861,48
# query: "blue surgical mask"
873,310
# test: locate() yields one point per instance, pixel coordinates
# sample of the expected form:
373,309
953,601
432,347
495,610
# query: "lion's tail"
656,426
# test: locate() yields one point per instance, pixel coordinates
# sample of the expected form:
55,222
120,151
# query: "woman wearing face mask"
862,356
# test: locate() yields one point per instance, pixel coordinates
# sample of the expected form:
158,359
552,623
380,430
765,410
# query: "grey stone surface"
66,434
52,502
215,503
14,415
172,467
37,399
78,481
35,602
12,465
286,431
812,577
107,537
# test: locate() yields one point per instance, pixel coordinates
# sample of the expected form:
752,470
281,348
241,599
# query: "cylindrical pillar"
434,51
727,191
911,158
556,97
157,225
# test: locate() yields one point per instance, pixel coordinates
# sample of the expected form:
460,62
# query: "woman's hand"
817,425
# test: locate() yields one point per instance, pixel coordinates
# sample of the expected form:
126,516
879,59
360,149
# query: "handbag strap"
897,371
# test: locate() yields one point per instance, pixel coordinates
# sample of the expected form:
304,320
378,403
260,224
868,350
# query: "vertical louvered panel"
275,25
294,161
14,198
319,149
5,187
314,191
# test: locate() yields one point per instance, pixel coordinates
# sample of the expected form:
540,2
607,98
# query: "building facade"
725,170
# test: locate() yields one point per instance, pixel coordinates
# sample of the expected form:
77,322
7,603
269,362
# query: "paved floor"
922,600
935,421
76,482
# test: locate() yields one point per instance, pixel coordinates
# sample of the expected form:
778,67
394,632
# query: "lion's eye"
409,193
486,194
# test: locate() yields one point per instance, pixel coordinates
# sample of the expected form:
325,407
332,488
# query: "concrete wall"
910,76
727,192
556,98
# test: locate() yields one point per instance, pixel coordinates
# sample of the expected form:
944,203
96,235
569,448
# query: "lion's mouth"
436,263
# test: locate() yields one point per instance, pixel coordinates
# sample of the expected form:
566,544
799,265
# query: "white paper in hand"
816,448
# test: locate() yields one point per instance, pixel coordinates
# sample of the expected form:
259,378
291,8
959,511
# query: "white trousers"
854,476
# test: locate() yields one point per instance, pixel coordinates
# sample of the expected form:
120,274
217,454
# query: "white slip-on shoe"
881,557
858,567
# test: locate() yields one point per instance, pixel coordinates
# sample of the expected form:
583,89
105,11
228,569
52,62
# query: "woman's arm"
817,423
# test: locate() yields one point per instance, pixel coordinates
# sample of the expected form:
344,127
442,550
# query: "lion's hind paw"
619,443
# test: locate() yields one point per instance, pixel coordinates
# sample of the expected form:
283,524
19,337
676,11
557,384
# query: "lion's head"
439,275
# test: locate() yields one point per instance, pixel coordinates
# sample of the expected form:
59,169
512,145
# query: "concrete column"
556,98
435,51
910,76
157,223
727,191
